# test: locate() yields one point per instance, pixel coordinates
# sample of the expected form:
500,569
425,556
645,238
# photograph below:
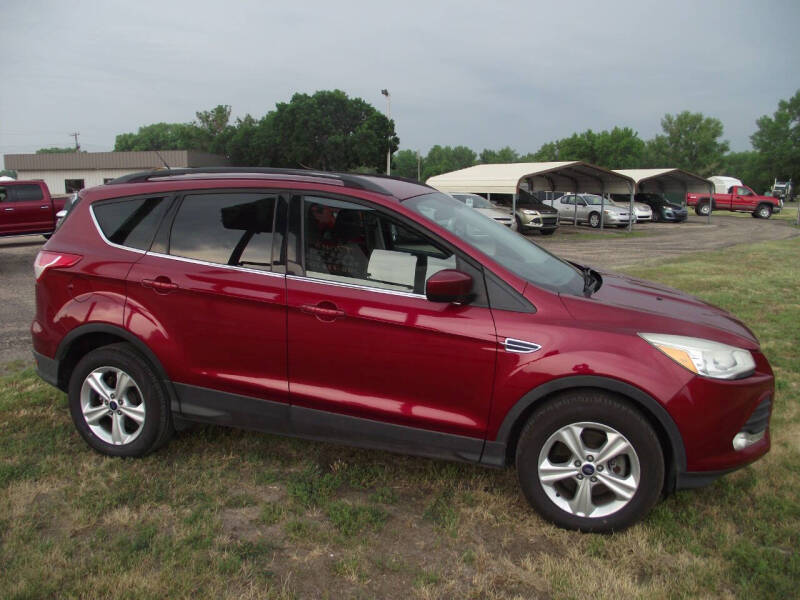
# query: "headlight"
533,213
704,357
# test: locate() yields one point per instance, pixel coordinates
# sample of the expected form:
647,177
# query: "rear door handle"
160,284
324,311
8,209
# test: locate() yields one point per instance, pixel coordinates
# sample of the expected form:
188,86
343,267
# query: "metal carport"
570,176
669,180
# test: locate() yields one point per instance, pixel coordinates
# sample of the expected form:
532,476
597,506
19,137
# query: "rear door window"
229,228
131,222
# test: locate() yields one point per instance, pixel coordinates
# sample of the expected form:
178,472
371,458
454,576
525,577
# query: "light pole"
386,93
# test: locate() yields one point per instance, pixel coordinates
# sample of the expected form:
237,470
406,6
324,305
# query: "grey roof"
667,180
83,161
570,176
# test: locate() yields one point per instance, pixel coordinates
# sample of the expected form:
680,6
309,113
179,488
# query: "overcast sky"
482,74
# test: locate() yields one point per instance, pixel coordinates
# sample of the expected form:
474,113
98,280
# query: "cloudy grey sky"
482,74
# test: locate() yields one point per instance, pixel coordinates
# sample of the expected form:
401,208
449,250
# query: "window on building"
73,185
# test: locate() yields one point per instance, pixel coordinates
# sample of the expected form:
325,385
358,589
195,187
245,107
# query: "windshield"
594,200
496,241
474,200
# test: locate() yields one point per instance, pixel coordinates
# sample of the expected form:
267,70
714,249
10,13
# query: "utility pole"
419,162
385,92
77,145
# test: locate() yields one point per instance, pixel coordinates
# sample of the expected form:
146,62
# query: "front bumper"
539,223
711,413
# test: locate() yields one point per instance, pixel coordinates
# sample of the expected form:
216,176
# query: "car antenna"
162,160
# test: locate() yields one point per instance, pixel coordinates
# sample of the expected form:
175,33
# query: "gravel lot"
609,250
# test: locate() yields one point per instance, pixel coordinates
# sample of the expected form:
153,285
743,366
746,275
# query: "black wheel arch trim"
107,328
643,399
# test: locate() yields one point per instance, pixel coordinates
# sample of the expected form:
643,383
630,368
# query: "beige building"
69,172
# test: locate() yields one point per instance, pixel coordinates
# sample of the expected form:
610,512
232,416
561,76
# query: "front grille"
759,420
550,220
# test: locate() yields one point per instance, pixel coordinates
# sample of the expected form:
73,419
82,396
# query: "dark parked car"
663,209
378,312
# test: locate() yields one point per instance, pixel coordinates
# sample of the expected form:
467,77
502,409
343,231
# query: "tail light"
53,260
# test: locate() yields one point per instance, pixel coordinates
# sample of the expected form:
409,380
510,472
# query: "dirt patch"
611,250
240,523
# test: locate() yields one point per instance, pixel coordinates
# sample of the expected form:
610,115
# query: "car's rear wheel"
590,461
703,209
117,402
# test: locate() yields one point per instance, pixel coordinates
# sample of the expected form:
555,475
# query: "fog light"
743,439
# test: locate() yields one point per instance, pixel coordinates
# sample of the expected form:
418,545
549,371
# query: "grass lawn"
229,514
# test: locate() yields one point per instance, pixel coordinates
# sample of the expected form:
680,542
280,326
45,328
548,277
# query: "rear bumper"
46,368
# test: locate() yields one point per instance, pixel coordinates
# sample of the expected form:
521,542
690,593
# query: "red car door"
743,199
208,300
25,209
364,341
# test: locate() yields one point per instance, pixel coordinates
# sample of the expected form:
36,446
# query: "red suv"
378,312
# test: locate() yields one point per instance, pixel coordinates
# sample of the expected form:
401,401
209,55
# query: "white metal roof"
667,180
571,176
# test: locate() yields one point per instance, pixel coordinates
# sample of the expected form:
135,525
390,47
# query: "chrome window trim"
206,263
106,240
356,286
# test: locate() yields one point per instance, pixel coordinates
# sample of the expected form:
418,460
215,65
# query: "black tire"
149,393
587,406
764,211
594,220
703,209
519,224
656,216
548,231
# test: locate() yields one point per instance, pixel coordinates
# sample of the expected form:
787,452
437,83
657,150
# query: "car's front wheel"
117,402
590,461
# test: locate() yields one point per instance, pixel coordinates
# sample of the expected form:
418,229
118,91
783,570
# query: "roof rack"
349,180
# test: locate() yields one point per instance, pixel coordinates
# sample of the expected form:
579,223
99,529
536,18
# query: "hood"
494,213
650,307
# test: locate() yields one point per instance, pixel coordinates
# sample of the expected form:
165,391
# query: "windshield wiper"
589,281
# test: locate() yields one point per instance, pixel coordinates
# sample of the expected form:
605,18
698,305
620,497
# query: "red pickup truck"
739,198
26,207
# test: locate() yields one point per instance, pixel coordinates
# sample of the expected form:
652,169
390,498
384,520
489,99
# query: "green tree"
620,148
404,164
55,150
329,131
162,136
749,167
443,159
210,133
502,156
777,139
690,141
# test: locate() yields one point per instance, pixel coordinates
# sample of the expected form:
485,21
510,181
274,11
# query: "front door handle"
8,209
324,311
160,284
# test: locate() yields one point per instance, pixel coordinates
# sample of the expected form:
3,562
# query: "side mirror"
448,285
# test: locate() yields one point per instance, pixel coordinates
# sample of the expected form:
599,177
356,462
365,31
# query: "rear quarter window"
132,222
